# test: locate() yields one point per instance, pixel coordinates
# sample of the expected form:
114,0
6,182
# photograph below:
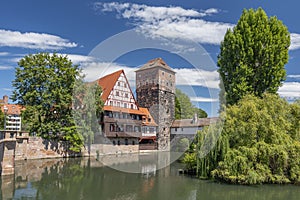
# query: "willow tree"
44,84
253,55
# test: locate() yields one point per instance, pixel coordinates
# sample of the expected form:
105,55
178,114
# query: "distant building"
123,121
155,90
189,127
13,116
4,100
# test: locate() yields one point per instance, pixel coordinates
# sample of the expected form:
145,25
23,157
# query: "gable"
117,91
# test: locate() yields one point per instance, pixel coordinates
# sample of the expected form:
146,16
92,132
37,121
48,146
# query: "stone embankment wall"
28,148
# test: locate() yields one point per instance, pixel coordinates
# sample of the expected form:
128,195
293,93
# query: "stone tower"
155,89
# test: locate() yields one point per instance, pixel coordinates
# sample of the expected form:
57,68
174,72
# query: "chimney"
5,99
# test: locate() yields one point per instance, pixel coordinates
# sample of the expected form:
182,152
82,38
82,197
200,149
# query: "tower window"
119,84
117,93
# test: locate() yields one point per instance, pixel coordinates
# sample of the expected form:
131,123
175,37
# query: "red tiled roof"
148,115
13,109
108,82
124,110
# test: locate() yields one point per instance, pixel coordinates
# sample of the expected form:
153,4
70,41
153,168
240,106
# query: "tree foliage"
87,106
1,119
184,109
257,145
44,84
253,56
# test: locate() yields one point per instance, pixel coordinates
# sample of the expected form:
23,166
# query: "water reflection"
90,179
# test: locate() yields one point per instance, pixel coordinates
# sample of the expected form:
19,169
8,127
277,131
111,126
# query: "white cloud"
203,99
197,77
33,40
6,67
209,79
176,22
7,89
290,90
96,70
296,76
78,59
171,22
295,41
4,53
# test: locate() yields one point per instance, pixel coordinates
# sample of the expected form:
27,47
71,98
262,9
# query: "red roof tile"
108,82
13,109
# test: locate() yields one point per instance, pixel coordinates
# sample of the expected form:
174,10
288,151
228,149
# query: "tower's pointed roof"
157,62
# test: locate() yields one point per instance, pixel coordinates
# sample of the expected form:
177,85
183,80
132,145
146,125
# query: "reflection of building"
123,121
155,89
13,116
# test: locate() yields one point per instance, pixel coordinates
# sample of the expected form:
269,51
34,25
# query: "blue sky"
186,34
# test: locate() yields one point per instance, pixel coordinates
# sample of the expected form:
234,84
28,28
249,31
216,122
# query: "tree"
87,107
1,119
44,84
253,56
184,109
257,143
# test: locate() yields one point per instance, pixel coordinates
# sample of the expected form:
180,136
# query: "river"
83,178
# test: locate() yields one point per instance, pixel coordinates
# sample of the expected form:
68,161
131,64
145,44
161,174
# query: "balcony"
122,121
123,134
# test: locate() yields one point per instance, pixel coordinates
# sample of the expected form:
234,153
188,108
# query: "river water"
82,178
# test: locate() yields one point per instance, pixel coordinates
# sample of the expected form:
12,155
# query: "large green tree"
258,144
44,84
184,109
253,55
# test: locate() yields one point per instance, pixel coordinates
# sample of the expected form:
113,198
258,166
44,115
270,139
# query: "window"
176,129
133,142
125,105
125,85
131,106
137,129
118,104
111,127
163,73
181,129
117,93
149,119
119,142
111,103
114,142
119,84
126,95
126,141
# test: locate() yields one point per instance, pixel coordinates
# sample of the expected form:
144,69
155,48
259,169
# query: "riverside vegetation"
258,137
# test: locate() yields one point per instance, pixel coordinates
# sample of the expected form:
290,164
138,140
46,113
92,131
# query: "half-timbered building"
123,121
